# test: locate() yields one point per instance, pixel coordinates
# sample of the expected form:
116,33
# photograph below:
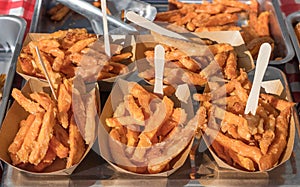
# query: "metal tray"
41,22
95,171
11,38
278,30
291,22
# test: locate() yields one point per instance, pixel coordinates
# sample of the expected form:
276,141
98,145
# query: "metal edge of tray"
15,53
35,16
291,23
283,30
285,35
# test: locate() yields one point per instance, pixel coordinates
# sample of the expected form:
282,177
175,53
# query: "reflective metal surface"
291,22
88,16
11,38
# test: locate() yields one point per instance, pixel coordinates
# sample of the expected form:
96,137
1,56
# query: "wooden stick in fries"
105,28
46,72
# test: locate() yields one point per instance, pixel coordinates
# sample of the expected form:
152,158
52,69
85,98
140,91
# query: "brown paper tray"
11,126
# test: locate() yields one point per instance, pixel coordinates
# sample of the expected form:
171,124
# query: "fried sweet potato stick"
19,139
26,103
30,138
236,145
77,145
61,134
231,118
42,98
233,3
81,44
47,161
218,19
134,110
262,27
242,161
120,57
231,66
64,100
58,148
60,14
279,143
42,143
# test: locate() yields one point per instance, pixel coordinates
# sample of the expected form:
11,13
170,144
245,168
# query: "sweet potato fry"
61,134
42,98
134,110
262,27
77,145
47,161
64,100
280,140
58,148
19,138
26,103
43,139
17,143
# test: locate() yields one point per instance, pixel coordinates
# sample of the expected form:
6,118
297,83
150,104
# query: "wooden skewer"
46,72
105,28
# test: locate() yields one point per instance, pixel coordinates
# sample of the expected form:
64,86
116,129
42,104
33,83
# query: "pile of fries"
244,141
146,132
2,82
69,52
195,69
221,15
52,130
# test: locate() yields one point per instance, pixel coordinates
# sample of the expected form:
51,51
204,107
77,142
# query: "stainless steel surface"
11,38
278,30
94,15
291,22
90,17
95,171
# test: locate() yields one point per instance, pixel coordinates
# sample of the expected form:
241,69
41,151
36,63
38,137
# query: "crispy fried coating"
30,138
42,143
133,108
77,145
58,148
64,100
17,143
26,103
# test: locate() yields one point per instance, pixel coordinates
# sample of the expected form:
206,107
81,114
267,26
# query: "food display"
245,141
195,131
146,132
222,15
2,82
70,52
53,130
